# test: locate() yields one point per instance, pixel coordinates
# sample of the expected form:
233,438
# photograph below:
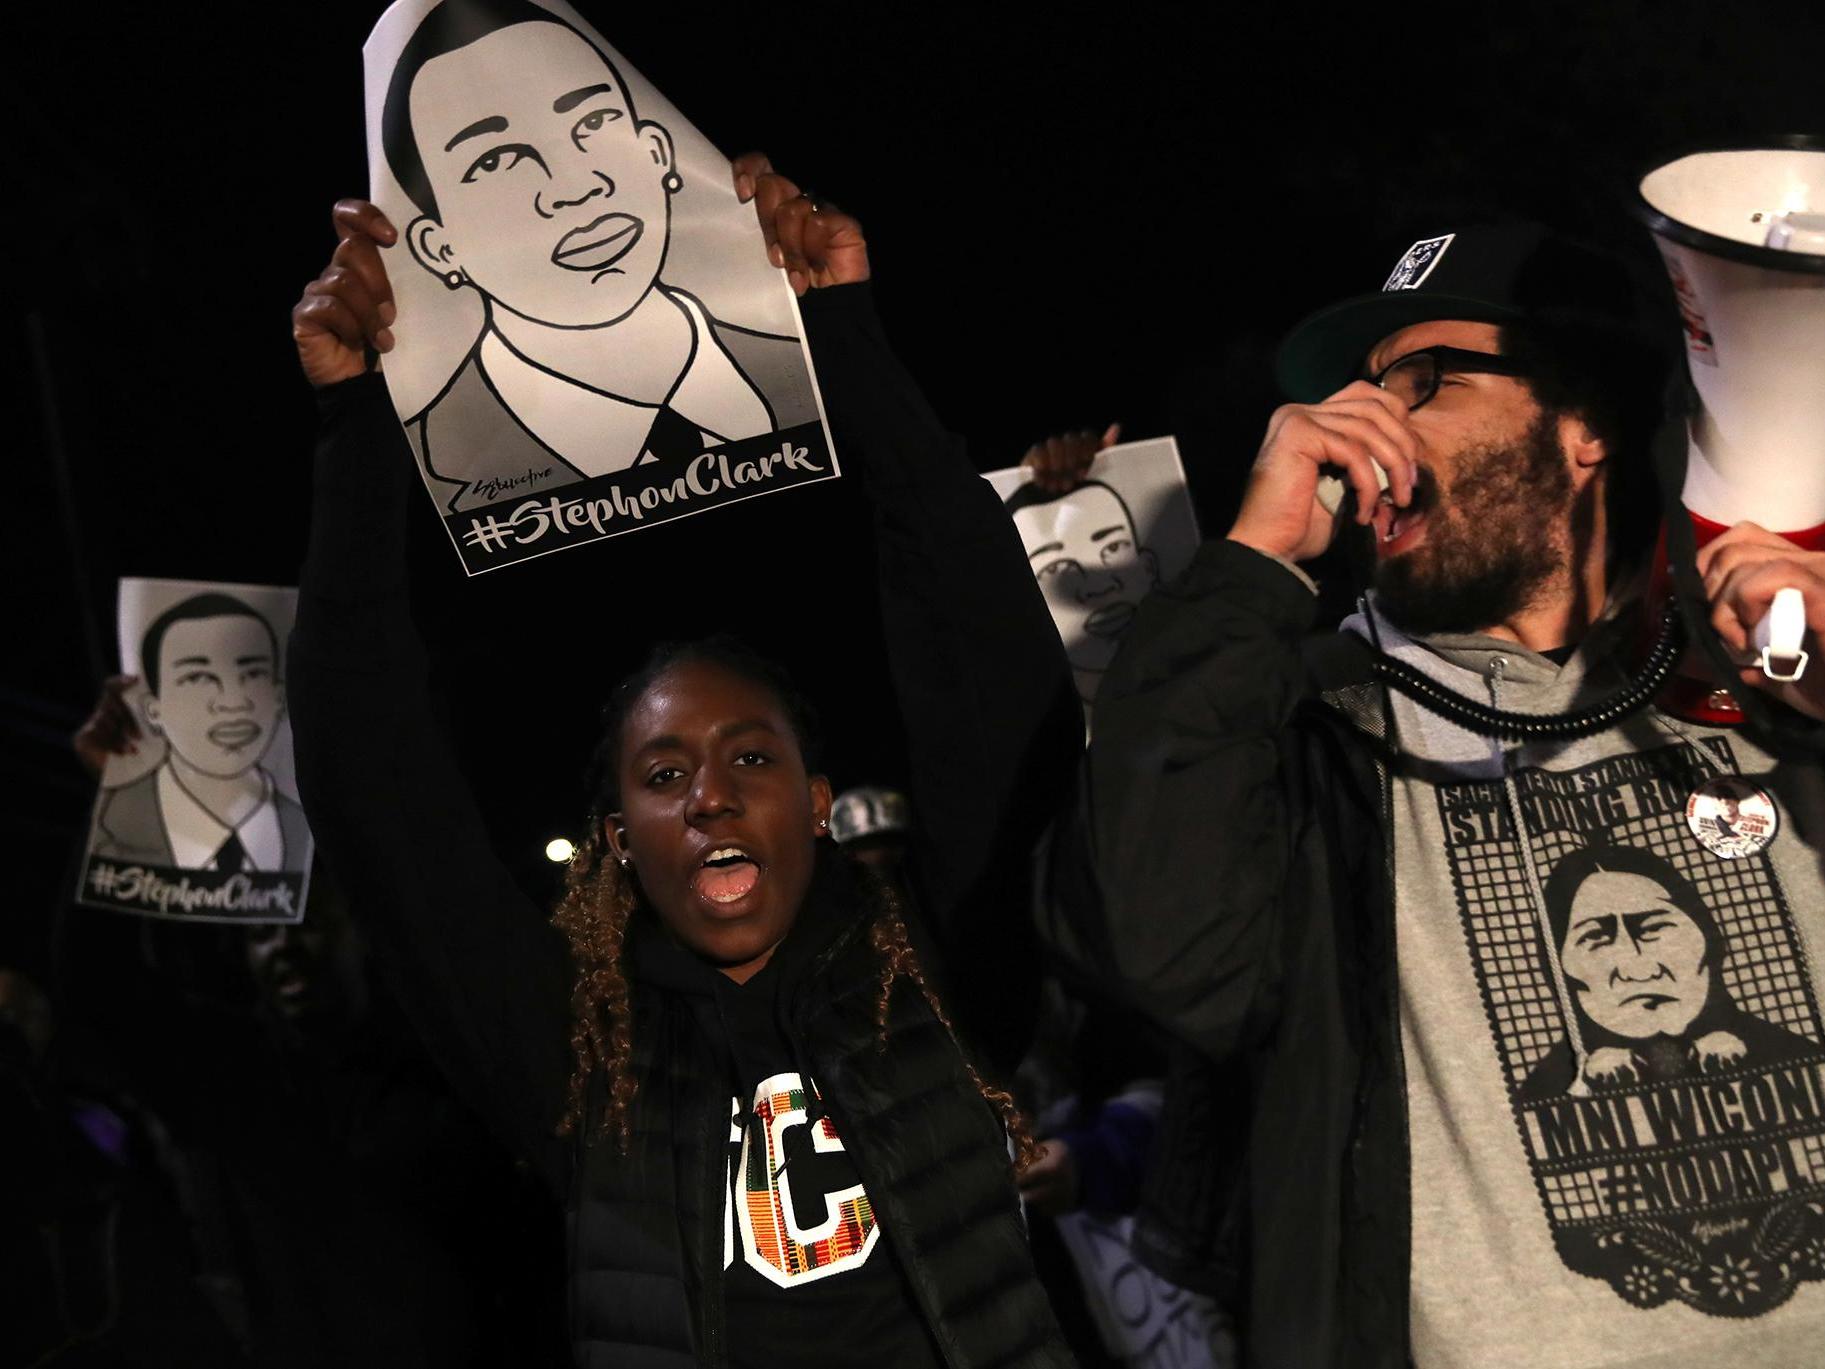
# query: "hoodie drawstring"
1580,1087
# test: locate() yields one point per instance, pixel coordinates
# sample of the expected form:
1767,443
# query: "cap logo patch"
1411,271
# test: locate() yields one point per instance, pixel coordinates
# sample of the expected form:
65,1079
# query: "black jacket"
1230,864
992,725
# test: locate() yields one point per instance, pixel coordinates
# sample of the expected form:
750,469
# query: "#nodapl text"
707,476
135,886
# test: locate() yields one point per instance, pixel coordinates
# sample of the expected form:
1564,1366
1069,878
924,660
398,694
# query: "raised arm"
478,966
993,725
1169,881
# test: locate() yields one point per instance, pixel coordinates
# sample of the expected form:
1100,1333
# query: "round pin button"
1732,816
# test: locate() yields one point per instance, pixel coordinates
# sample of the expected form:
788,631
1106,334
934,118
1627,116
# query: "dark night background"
1075,215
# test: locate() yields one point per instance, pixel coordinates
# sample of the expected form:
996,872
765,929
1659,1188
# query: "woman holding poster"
728,1058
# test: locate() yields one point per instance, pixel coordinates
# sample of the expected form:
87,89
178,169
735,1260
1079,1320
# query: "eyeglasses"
1415,378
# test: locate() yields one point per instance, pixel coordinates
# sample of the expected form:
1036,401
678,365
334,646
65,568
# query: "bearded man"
1307,874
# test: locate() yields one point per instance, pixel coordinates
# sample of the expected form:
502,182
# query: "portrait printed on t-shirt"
202,820
1099,550
1661,1044
590,338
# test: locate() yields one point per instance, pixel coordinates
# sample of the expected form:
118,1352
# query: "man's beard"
1493,547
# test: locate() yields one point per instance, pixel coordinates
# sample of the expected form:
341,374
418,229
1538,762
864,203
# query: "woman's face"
718,815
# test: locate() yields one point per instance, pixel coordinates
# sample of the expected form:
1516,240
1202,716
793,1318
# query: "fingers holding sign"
111,730
816,244
348,310
1060,462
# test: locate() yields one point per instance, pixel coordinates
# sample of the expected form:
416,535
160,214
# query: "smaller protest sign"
202,822
1099,550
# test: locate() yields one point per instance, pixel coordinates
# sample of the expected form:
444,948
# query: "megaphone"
1742,233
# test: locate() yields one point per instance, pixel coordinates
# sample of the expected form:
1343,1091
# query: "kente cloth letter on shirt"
590,339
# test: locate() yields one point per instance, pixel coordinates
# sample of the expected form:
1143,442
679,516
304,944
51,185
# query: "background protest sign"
590,338
202,821
1099,550
1142,1319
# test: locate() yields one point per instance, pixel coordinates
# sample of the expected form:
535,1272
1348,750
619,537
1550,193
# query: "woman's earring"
454,280
673,184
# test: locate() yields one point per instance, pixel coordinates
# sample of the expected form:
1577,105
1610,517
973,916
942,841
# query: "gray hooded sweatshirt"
1611,1018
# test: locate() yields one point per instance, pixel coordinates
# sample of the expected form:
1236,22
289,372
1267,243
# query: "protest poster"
202,822
1100,549
1142,1319
590,338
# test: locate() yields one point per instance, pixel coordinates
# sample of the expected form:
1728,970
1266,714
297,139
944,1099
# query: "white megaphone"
1742,233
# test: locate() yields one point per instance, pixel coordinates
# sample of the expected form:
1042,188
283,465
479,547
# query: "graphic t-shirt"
1614,1049
807,1278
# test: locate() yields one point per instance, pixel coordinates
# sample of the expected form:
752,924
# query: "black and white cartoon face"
538,183
588,303
1087,557
213,686
1639,964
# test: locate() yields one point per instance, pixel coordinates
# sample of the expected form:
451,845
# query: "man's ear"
1152,562
614,832
1586,450
820,804
658,141
149,710
431,247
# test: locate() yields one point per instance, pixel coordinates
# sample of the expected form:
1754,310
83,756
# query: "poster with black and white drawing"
200,822
590,338
1100,549
1657,1029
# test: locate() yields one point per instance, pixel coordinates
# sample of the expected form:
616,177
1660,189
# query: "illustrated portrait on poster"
590,338
1099,549
201,820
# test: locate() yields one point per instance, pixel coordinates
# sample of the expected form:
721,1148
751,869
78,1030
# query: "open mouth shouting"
727,875
1397,529
598,245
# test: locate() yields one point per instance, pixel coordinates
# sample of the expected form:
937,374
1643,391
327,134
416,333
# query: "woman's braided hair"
601,899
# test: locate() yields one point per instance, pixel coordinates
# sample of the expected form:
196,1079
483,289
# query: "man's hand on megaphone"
1743,570
1355,430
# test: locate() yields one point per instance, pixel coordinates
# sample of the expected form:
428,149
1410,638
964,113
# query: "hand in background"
111,730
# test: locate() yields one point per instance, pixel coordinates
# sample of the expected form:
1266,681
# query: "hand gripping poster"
1100,549
590,338
201,821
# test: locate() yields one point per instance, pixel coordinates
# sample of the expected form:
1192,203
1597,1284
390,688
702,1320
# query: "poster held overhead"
201,822
590,338
1099,550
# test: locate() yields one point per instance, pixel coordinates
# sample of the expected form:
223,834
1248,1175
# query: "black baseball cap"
1490,273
